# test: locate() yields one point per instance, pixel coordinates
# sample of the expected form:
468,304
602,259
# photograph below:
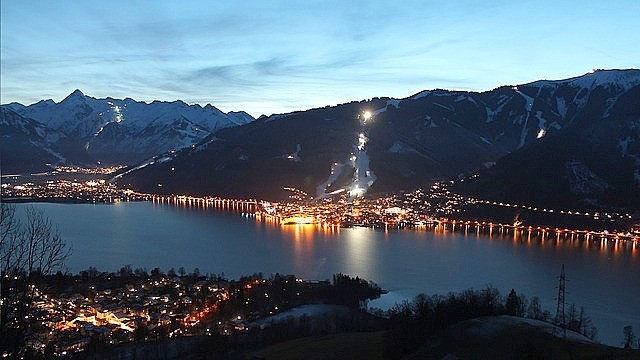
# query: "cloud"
288,55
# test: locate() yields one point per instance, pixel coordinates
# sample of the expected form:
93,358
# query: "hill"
496,337
580,134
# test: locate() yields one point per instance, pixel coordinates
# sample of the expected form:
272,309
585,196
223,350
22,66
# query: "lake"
603,276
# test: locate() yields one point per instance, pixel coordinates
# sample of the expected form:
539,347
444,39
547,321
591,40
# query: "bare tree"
29,249
9,226
629,337
535,310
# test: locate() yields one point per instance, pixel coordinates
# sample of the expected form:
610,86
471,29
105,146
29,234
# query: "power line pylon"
560,319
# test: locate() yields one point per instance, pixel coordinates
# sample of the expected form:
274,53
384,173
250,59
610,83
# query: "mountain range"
572,142
84,130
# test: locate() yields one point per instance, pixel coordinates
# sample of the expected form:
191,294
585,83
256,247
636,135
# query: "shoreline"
446,224
53,200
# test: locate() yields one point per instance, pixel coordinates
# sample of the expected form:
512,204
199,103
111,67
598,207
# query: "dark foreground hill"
498,337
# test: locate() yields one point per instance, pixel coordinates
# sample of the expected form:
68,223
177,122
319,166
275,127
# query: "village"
74,313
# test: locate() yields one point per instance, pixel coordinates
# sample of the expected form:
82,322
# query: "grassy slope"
353,345
466,340
471,340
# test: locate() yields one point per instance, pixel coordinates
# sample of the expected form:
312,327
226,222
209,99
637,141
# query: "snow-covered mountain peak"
622,78
239,117
76,94
116,130
44,103
15,106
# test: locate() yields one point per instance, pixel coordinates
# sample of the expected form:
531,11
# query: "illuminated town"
132,305
436,207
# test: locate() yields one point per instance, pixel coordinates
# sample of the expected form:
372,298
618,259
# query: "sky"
273,56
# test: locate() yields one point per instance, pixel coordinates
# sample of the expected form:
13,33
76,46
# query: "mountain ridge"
433,134
588,127
122,131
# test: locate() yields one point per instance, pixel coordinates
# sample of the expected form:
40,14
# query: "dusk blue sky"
276,56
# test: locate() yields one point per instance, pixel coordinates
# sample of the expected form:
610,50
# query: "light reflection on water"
604,275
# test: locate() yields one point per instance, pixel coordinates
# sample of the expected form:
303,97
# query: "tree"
629,337
140,332
32,246
126,271
29,249
490,300
156,273
535,309
516,305
141,272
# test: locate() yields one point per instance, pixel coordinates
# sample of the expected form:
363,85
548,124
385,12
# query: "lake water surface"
603,276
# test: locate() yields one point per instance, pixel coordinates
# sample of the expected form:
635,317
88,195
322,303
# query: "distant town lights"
356,191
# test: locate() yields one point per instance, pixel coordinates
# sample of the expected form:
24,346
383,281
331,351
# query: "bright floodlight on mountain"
367,115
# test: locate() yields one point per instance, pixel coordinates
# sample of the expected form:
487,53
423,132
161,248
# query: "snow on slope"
20,135
104,125
29,127
624,79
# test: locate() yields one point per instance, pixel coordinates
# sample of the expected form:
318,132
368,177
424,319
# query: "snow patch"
486,140
206,144
542,130
555,125
541,121
624,145
336,171
491,114
528,100
295,157
276,117
312,310
490,326
141,166
625,79
609,104
363,177
465,97
394,102
61,159
528,106
619,78
421,94
391,102
444,106
561,105
400,147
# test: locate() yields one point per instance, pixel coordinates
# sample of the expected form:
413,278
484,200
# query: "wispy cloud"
280,55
